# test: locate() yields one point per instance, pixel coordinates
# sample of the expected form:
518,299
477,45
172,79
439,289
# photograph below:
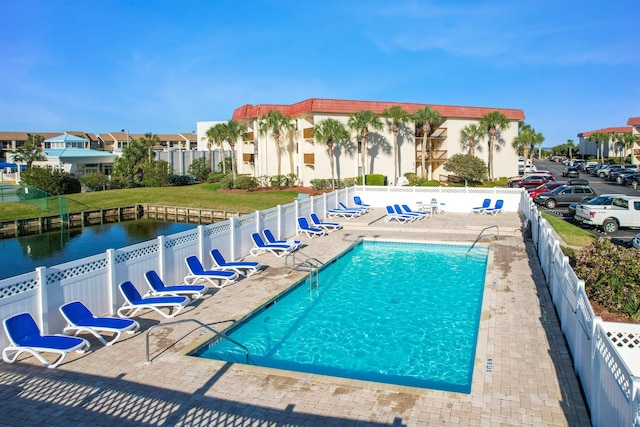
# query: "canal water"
24,254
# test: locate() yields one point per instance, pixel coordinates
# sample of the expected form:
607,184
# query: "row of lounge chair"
486,207
25,336
404,214
349,212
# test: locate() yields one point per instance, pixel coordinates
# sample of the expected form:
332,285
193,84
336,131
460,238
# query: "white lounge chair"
327,226
261,247
415,215
80,319
216,278
407,210
481,209
271,240
311,232
392,215
246,268
25,337
357,209
157,288
133,302
360,204
497,208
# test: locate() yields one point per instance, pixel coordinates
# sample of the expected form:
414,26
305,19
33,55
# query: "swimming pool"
391,312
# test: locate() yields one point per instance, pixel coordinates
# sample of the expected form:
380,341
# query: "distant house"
117,141
71,154
610,148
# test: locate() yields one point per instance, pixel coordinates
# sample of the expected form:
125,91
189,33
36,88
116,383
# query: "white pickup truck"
624,211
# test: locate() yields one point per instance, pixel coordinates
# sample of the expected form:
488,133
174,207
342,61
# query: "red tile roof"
620,129
634,121
339,106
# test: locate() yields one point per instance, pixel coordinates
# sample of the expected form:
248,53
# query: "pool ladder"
310,264
480,236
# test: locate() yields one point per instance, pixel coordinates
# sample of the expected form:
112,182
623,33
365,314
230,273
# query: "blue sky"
161,66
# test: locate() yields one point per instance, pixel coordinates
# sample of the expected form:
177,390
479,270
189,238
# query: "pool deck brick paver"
523,374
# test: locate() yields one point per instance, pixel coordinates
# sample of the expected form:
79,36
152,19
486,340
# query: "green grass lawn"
571,234
196,196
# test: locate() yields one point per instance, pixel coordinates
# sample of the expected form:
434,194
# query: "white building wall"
201,132
379,151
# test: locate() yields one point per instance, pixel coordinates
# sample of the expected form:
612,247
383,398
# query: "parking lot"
623,236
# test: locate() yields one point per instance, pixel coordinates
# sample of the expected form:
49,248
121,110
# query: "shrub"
278,181
375,179
349,182
611,275
215,177
199,169
227,182
51,180
320,184
466,166
95,181
246,182
118,183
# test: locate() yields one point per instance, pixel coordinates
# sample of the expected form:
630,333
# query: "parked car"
565,195
636,242
618,176
606,170
545,188
632,181
571,172
623,212
531,181
602,200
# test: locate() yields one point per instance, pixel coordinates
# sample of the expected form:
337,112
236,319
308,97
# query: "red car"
530,181
547,186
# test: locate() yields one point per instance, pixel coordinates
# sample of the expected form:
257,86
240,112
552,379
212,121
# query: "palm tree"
29,152
362,121
331,132
470,134
396,117
217,134
599,137
150,140
429,119
234,130
570,146
277,124
493,122
538,139
627,139
524,140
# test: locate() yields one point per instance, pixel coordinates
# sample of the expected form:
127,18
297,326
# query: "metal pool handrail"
220,334
308,260
480,235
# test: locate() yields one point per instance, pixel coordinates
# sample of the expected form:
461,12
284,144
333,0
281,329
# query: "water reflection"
23,254
42,246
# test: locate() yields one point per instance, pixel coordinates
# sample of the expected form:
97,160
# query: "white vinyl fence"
603,352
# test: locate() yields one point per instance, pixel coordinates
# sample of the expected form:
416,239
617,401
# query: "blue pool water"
398,313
